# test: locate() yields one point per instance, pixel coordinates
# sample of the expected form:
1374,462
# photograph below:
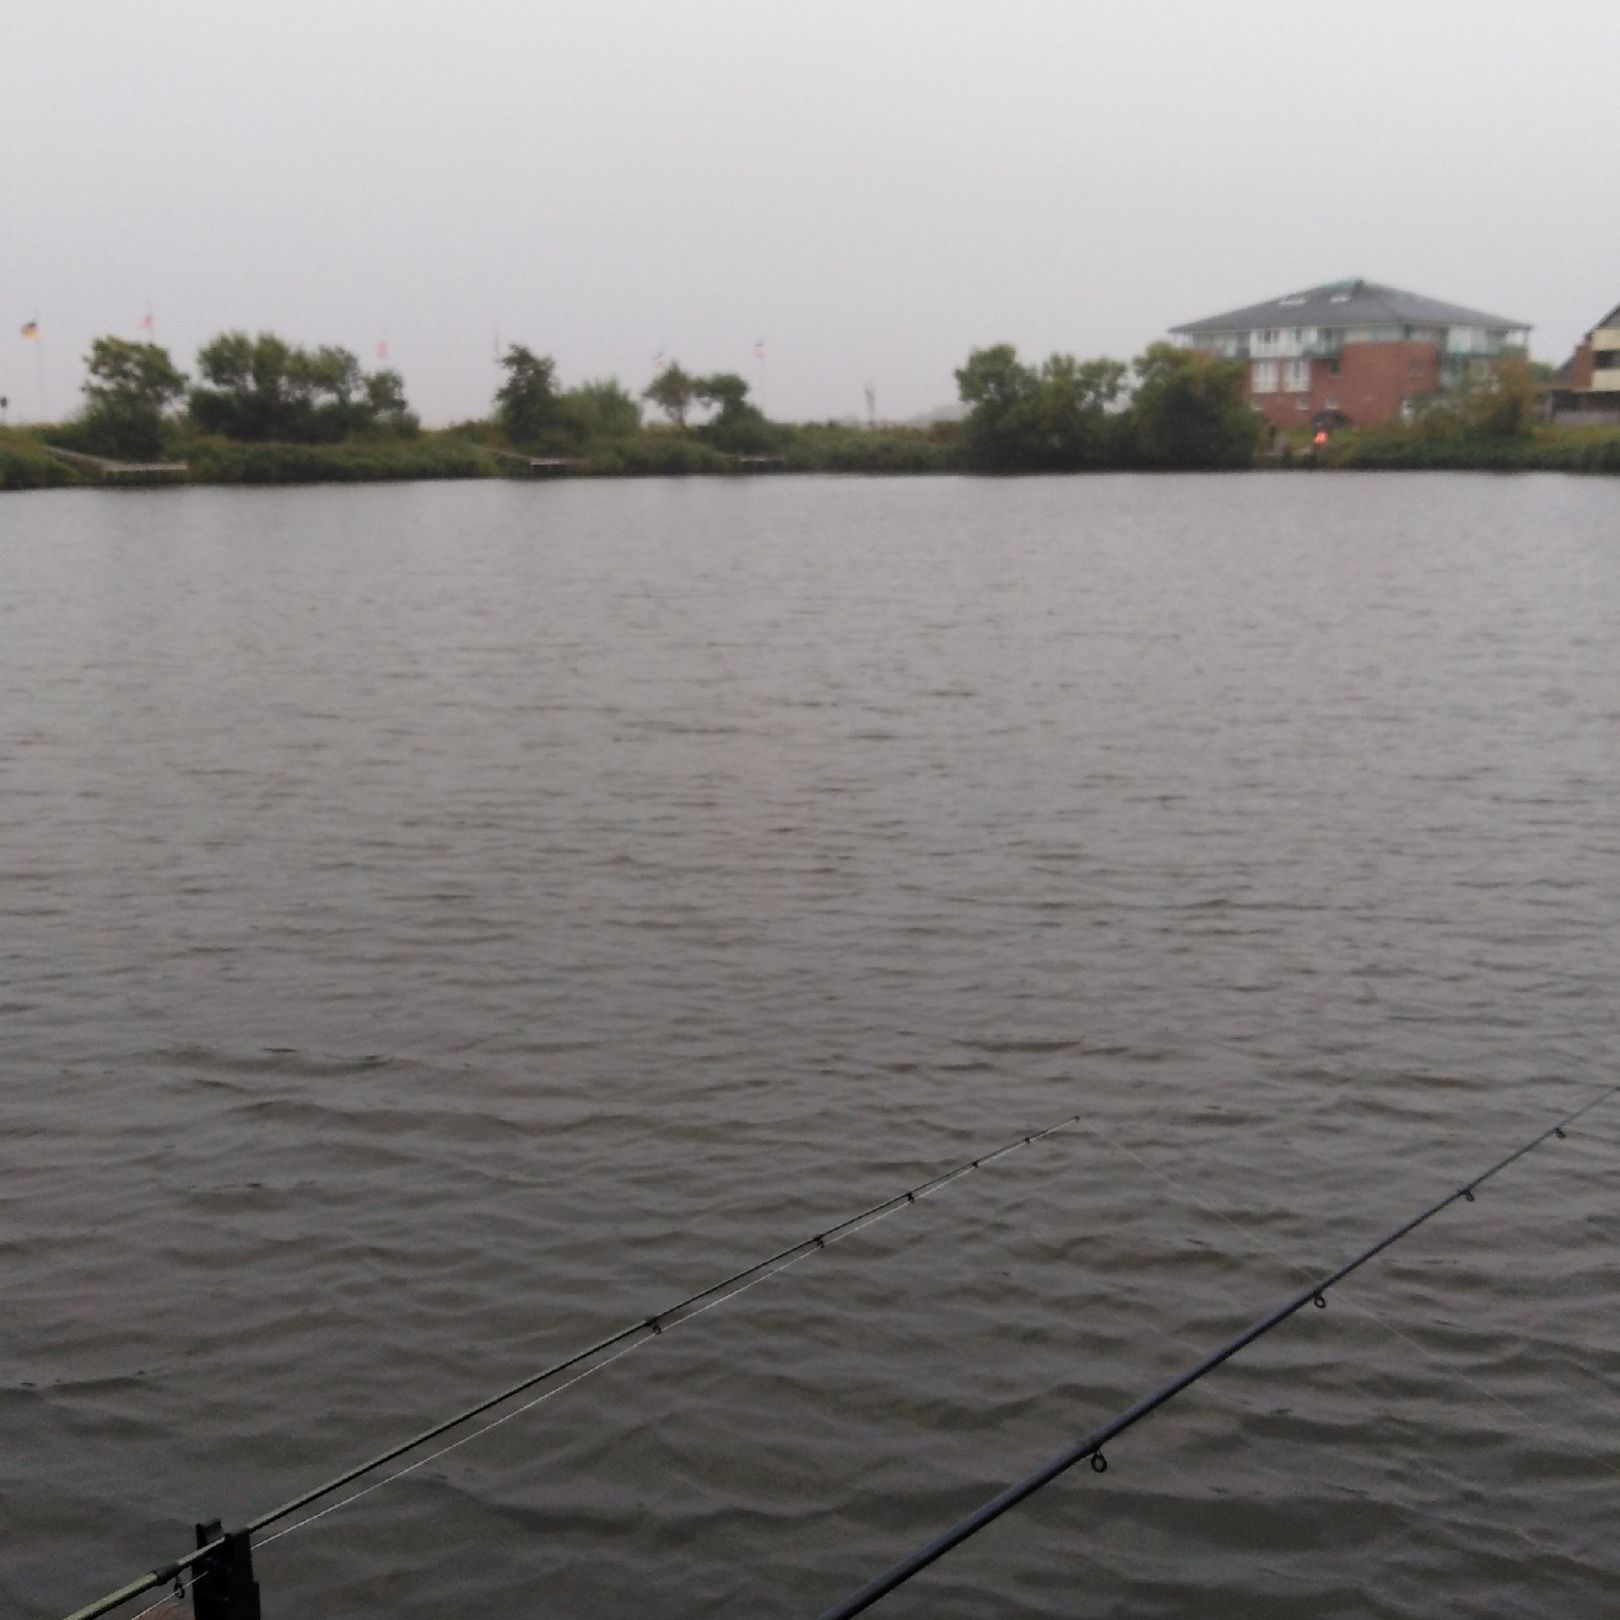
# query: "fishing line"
1090,1445
176,1597
1434,1356
631,1337
624,1341
1451,1478
580,1377
1306,1152
455,1445
672,1316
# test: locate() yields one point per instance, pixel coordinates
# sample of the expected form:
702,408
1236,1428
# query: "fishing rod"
1090,1445
221,1559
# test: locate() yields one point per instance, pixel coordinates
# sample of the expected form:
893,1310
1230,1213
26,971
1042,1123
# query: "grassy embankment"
26,464
813,447
355,461
1545,448
464,453
808,447
659,451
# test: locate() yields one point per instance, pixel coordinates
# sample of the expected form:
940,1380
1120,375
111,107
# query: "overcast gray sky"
872,187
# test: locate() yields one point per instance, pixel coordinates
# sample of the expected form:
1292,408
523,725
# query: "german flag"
30,329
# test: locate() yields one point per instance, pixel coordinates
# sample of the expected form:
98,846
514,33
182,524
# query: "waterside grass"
25,463
658,452
1546,448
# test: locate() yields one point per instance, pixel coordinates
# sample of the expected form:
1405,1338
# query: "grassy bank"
833,447
650,455
457,453
1411,449
461,453
357,461
26,464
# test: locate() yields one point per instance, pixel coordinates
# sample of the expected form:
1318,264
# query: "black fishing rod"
1091,1444
217,1555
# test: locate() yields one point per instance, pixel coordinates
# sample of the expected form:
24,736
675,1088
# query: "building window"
1263,377
1298,377
1333,366
1606,360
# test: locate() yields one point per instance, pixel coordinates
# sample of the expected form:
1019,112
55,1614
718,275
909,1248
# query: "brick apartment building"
1352,348
1587,385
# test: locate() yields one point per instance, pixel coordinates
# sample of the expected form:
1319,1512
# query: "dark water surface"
439,924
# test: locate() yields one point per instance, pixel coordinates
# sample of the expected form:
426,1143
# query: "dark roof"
1349,303
1611,319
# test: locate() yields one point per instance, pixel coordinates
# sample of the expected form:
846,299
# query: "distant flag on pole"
382,348
658,359
147,324
759,349
30,329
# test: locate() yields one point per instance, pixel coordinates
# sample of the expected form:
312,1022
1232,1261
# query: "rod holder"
222,1583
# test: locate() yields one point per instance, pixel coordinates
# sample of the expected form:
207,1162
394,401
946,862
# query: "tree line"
533,411
1187,410
253,389
264,390
259,409
1169,408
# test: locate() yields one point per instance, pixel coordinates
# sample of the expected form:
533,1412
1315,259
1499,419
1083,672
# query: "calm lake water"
441,924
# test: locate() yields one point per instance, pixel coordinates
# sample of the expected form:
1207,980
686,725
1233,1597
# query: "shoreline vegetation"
265,411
